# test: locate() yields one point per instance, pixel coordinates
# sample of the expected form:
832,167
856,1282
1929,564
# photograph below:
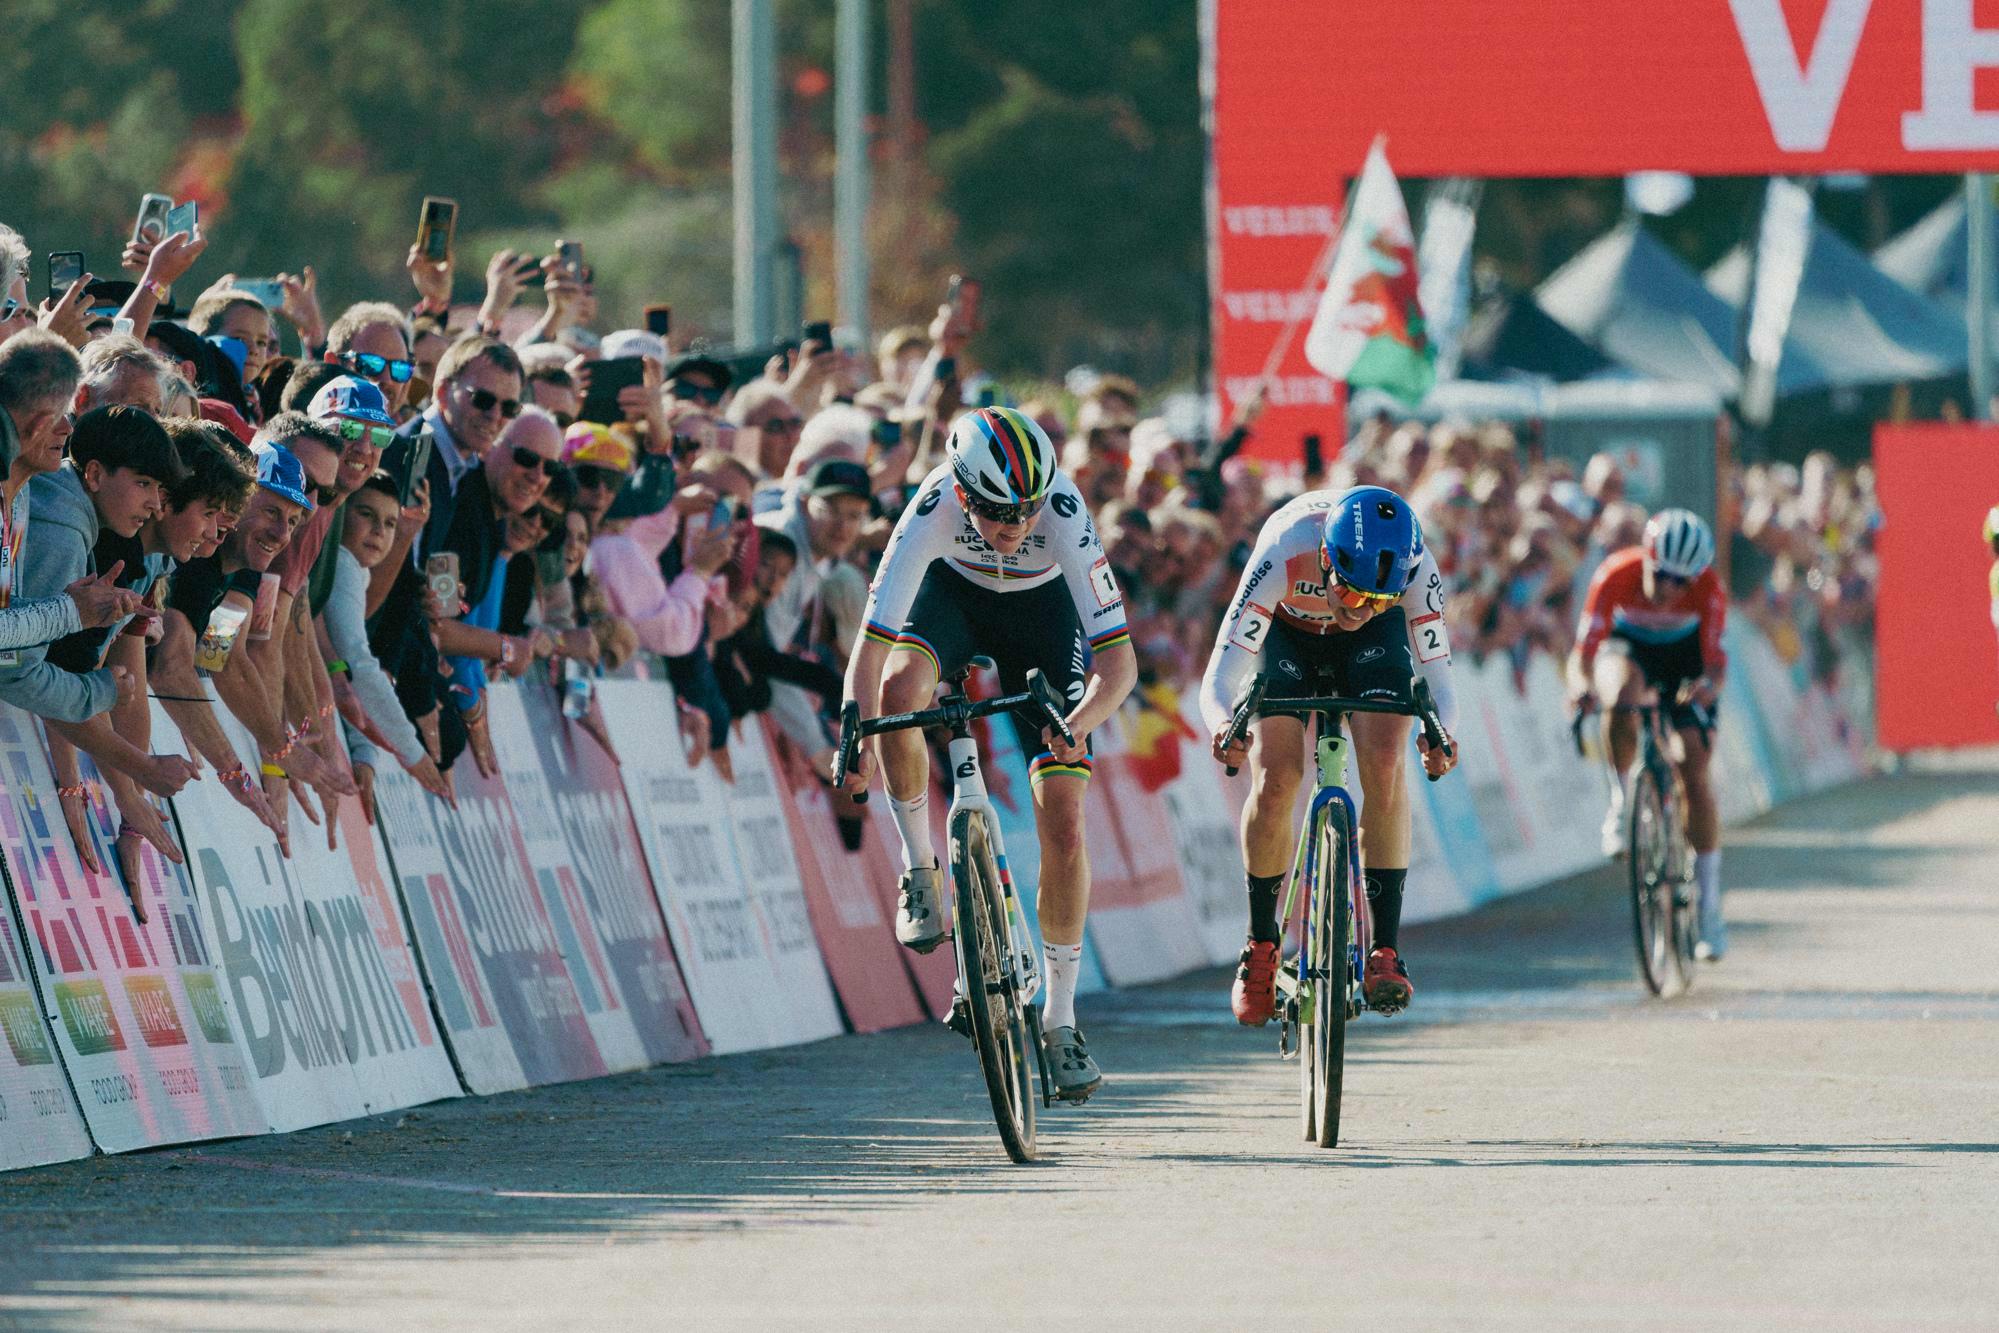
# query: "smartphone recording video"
435,228
65,267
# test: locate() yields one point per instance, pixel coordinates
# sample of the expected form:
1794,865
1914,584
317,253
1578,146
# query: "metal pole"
850,181
753,123
1978,219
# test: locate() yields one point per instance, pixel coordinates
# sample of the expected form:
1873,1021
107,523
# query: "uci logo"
968,768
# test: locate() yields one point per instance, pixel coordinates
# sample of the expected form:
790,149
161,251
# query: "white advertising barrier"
510,1007
316,966
586,937
39,1119
728,950
1207,839
133,1007
1566,796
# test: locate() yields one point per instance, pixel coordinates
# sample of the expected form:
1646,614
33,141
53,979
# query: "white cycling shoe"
1613,827
919,925
1076,1074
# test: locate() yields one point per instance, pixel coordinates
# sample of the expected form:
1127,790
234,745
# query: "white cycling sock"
1707,874
912,825
1063,963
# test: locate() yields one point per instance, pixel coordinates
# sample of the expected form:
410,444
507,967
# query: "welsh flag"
1369,329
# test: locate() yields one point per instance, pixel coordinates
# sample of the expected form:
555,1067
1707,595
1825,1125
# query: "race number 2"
1251,628
1432,639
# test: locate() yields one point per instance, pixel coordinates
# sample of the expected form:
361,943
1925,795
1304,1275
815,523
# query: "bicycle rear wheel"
1001,1026
1686,898
1653,876
1329,937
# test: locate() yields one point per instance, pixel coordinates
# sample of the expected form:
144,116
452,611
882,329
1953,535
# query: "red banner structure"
1936,655
1547,88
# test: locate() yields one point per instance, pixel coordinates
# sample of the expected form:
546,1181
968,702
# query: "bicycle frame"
968,792
1329,787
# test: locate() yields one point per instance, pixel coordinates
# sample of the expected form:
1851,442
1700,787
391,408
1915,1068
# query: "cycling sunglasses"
690,393
358,432
371,365
528,458
999,513
1353,599
485,400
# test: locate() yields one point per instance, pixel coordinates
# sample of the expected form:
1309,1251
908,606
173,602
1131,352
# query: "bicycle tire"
999,1020
1686,899
1649,859
1332,999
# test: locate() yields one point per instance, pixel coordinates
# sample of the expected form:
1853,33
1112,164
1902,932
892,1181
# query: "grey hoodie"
62,532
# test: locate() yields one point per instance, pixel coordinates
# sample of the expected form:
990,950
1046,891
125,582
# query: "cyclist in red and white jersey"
1338,582
1652,623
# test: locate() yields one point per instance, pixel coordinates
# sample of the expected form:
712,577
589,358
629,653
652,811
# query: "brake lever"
1433,726
1245,709
850,739
1051,703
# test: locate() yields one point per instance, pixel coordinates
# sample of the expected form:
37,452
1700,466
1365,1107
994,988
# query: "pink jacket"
667,616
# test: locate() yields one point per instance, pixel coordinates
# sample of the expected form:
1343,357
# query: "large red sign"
1552,88
1937,660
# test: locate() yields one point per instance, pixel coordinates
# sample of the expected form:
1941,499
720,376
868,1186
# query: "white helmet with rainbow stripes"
1004,463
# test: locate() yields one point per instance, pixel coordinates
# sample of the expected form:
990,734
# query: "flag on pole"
1783,247
1369,329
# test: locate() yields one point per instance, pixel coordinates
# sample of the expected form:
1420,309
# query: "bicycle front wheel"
1330,941
1654,877
1001,1026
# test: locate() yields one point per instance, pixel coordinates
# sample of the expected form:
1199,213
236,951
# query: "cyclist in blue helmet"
1338,583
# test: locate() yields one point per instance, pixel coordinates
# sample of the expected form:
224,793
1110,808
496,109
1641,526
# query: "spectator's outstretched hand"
301,305
165,261
428,776
100,601
76,814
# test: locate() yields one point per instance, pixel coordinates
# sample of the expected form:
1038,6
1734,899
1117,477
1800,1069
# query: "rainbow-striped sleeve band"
879,633
1046,765
1110,638
915,643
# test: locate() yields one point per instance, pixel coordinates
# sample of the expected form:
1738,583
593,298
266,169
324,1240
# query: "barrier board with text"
39,1119
135,1009
315,966
487,947
727,950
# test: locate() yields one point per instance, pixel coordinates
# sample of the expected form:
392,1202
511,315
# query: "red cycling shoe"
1385,984
1254,995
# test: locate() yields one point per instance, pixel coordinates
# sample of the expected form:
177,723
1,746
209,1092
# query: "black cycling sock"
1384,895
1263,907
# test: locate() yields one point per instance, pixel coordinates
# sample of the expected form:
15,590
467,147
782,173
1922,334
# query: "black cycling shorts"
1666,667
1372,662
954,620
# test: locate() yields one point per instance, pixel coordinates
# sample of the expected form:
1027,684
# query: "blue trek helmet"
1373,542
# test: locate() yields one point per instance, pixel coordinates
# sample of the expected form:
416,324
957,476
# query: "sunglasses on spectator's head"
485,400
528,458
999,513
371,365
358,432
10,308
690,393
589,477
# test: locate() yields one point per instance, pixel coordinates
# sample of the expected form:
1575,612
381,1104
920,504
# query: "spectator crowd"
329,537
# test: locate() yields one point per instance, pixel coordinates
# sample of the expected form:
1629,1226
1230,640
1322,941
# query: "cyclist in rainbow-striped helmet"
998,558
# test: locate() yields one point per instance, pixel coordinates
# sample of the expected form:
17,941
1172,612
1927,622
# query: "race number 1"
1432,640
1251,628
1103,582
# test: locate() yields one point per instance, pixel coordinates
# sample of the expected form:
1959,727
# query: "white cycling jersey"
1285,581
1063,544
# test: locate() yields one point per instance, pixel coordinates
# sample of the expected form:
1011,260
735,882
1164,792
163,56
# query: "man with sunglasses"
1341,584
997,557
479,390
1651,624
372,340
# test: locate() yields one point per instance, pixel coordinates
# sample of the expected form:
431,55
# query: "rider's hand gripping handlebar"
1433,726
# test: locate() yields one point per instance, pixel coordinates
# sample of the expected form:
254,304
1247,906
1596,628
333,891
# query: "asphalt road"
1807,1140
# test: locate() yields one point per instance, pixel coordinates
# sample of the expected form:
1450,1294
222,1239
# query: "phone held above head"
435,228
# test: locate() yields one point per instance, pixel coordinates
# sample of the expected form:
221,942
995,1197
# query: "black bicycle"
999,970
1319,987
1659,858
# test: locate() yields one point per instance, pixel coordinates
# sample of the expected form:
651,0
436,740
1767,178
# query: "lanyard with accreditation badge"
10,555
